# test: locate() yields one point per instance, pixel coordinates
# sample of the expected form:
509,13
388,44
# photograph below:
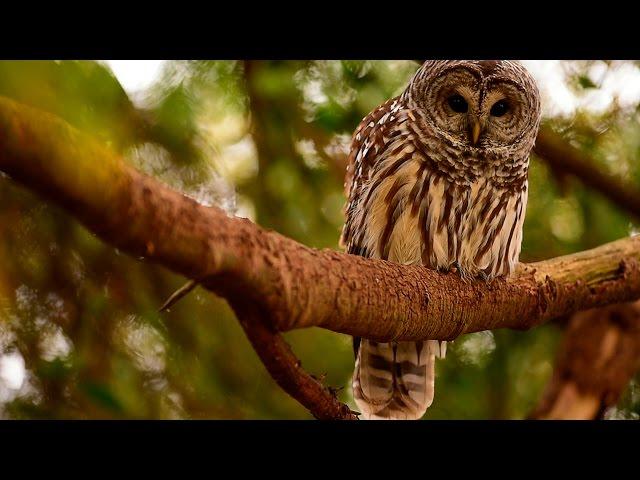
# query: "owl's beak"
474,130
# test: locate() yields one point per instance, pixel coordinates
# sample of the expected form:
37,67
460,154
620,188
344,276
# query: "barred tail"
395,381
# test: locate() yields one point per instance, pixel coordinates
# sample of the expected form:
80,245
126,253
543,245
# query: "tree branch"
598,356
565,159
293,286
286,369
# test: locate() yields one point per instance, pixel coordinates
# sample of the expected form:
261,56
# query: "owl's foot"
465,274
452,268
482,275
455,267
486,277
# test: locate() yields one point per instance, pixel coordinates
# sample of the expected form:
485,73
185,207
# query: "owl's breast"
417,216
492,233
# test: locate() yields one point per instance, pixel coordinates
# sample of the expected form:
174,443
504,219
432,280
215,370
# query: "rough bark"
285,368
293,286
598,357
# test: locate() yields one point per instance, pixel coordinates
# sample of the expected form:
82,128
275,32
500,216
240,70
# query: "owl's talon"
483,276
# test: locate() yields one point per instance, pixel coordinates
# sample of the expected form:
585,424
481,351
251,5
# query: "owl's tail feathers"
395,381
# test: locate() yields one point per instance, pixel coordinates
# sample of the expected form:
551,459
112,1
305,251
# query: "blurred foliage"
80,336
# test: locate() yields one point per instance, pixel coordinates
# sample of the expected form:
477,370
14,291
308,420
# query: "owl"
438,177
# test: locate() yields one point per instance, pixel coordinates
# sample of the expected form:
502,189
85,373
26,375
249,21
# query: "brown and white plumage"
438,177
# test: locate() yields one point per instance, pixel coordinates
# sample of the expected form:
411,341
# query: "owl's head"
484,104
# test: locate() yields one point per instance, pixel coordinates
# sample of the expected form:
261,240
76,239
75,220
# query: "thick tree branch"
598,356
299,286
294,286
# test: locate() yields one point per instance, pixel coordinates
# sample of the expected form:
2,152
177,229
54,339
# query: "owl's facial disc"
465,122
505,109
451,103
479,106
459,105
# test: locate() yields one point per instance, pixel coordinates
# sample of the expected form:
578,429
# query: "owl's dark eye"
499,108
457,103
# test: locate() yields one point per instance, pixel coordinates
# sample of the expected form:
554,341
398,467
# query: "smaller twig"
335,391
564,158
178,294
285,368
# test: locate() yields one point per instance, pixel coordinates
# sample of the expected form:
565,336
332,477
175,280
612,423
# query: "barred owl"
438,176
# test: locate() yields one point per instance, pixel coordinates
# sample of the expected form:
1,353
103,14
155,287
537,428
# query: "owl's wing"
391,380
367,146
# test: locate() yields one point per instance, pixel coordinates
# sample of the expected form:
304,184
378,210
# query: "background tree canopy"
80,336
